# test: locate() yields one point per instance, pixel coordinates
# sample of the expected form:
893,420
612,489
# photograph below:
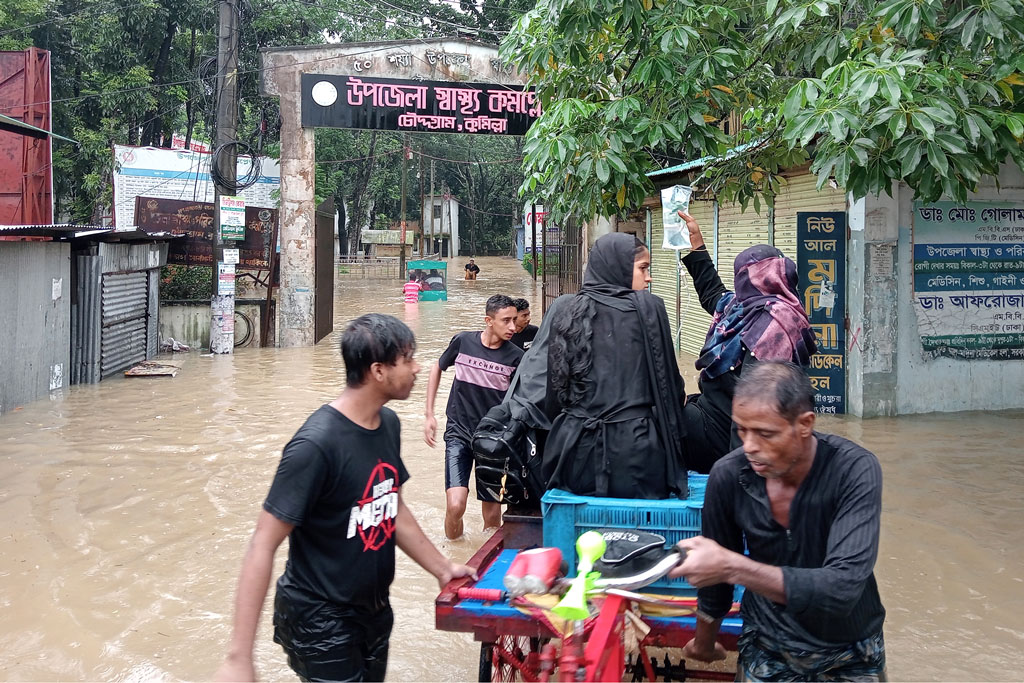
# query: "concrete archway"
452,60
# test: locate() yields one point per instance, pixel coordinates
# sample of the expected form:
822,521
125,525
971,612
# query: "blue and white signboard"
969,279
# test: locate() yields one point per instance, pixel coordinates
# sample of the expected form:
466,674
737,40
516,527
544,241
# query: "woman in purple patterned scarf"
763,320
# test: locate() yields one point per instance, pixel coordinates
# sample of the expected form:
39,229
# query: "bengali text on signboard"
195,221
330,101
969,279
821,265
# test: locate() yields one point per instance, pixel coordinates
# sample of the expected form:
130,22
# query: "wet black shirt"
338,484
524,339
827,554
482,376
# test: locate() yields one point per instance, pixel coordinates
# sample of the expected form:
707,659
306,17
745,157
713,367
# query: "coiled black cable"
247,180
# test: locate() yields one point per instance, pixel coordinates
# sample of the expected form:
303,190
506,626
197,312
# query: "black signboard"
330,101
195,221
821,264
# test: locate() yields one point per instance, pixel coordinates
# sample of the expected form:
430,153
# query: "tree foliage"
135,72
924,91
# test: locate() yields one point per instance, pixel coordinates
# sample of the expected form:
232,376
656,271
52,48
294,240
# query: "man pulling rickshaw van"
807,506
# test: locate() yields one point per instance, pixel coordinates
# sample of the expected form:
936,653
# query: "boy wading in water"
337,498
484,363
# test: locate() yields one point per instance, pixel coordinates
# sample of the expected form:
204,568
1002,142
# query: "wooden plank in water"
152,368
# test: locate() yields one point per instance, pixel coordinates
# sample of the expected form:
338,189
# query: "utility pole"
222,302
423,225
431,247
401,232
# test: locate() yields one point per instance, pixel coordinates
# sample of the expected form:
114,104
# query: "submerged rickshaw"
432,275
604,628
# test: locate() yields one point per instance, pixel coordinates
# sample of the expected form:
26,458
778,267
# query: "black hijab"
609,281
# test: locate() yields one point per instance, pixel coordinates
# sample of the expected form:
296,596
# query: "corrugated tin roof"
49,230
704,161
15,126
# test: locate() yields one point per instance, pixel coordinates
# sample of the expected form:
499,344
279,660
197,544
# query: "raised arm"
701,268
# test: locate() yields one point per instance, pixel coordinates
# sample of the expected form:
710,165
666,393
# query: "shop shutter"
663,268
737,230
664,283
799,193
125,299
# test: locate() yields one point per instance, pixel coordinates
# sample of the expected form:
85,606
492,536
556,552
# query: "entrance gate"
438,86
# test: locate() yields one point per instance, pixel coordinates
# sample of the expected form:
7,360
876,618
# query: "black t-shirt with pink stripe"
482,377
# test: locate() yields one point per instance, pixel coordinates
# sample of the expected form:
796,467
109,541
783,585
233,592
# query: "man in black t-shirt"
472,270
793,516
337,498
484,363
525,332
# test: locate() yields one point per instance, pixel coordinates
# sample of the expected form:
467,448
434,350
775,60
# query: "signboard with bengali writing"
232,218
969,279
182,176
821,265
195,221
331,101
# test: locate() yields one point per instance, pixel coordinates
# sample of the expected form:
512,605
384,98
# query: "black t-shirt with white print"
338,484
482,376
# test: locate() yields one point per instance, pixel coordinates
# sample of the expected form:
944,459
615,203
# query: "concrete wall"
888,373
35,320
189,323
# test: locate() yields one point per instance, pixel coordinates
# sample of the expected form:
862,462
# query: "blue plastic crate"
567,515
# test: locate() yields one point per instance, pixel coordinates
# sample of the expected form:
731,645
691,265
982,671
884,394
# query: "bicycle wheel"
243,328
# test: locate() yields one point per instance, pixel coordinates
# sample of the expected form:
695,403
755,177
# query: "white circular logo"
325,94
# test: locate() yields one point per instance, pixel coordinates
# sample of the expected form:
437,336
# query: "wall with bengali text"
924,341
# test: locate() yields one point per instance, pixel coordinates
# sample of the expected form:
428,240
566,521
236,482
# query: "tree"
923,91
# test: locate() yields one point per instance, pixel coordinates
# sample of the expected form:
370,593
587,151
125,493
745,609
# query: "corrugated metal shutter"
800,194
738,230
663,268
123,340
695,320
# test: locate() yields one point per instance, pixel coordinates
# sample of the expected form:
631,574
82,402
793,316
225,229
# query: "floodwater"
127,507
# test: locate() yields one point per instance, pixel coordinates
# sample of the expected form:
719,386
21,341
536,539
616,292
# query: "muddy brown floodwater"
127,506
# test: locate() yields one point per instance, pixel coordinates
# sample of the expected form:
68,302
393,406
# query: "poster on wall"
181,175
969,279
821,268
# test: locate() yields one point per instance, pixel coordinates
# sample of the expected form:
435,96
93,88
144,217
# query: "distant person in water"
472,270
412,289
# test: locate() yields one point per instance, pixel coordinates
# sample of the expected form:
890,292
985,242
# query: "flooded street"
127,507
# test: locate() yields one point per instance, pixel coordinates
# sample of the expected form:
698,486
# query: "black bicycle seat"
630,553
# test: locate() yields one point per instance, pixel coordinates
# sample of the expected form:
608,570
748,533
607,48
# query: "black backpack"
508,457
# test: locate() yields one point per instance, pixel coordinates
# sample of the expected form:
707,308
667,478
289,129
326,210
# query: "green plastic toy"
590,547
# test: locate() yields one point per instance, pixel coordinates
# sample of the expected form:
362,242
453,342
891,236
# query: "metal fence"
354,267
563,272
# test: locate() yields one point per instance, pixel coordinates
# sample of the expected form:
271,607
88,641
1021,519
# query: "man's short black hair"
786,382
373,338
498,302
521,305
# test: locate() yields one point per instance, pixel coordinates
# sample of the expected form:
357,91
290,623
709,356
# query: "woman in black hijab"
603,367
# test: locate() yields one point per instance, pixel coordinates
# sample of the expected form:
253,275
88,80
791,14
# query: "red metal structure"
26,178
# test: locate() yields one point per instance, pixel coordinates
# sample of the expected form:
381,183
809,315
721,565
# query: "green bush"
548,264
185,282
